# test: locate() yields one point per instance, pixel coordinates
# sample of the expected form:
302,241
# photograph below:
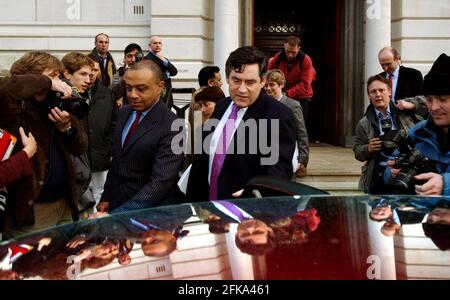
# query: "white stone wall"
60,26
187,29
421,31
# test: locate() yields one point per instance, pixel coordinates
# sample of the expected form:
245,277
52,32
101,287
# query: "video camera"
76,104
410,162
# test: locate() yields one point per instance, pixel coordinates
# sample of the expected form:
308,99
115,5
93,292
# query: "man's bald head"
155,44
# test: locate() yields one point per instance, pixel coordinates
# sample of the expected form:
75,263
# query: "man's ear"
210,82
263,81
67,75
161,85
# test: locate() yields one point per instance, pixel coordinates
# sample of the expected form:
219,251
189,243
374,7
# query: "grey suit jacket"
144,172
302,134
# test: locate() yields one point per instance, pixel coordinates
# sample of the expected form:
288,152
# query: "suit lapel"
253,112
122,120
398,88
148,123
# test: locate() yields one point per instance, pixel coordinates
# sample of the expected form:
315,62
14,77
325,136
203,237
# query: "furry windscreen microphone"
3,194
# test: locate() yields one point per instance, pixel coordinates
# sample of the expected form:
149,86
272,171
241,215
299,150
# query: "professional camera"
410,162
139,56
76,104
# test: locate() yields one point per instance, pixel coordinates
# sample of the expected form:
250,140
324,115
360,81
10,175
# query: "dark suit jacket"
409,83
143,173
167,99
238,169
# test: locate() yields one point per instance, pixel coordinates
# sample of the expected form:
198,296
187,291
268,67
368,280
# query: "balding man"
144,169
405,82
166,67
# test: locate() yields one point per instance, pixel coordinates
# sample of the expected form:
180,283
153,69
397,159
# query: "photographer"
381,116
431,137
46,197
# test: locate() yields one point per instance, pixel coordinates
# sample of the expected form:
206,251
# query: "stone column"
226,33
241,264
381,262
377,35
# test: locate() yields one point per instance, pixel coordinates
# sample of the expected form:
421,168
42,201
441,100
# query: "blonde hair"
277,76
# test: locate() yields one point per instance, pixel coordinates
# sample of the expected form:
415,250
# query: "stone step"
328,178
326,171
333,169
336,186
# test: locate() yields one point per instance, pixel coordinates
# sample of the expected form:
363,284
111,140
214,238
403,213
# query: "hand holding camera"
75,105
408,165
60,86
394,171
60,118
375,145
433,186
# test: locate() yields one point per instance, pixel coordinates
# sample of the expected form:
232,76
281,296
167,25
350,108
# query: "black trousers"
305,107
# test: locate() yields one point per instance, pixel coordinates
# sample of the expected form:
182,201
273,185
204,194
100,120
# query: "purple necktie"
221,152
233,209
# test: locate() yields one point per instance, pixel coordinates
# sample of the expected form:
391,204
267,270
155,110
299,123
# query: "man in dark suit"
144,168
166,67
246,120
406,82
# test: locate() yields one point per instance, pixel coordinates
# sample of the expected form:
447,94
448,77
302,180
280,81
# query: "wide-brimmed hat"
437,81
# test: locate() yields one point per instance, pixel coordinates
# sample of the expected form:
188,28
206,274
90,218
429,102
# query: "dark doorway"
317,23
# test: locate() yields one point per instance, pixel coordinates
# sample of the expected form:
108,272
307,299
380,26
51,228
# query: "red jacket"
298,78
14,168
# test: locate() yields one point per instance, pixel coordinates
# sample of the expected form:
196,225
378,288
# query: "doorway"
317,23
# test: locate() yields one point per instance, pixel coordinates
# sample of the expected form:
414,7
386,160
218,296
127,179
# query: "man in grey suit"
144,169
274,87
